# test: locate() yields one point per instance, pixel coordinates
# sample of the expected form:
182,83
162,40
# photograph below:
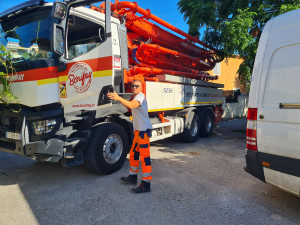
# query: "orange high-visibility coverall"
140,151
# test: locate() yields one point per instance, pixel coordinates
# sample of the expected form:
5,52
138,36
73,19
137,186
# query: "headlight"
43,126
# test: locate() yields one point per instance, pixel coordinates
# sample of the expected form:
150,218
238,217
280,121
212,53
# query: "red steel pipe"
155,71
147,13
172,52
179,66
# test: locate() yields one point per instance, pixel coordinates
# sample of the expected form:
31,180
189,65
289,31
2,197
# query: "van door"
278,116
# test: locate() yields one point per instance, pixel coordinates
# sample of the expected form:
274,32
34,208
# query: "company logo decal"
80,77
16,77
168,90
191,94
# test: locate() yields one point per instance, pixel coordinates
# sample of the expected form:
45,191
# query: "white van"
273,129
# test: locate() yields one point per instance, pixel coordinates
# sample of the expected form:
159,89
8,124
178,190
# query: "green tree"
6,69
233,26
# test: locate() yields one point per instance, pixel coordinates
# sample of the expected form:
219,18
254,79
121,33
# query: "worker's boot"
144,187
131,179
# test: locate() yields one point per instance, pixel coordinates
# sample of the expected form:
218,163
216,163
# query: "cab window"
83,36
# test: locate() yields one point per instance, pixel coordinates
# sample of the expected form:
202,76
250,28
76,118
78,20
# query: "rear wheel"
191,131
207,123
108,148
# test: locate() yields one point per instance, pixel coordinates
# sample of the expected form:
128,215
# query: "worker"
140,149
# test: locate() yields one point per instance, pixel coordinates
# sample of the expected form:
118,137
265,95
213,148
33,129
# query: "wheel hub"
112,148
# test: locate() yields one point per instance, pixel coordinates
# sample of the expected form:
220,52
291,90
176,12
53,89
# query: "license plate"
12,135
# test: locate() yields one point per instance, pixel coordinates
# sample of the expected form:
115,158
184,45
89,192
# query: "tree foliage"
233,26
6,69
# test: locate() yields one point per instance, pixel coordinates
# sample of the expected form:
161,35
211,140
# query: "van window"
83,36
282,83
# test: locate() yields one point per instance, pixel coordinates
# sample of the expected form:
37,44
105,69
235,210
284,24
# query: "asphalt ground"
199,183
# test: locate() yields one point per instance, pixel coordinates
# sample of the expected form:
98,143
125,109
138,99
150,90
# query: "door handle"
261,116
289,105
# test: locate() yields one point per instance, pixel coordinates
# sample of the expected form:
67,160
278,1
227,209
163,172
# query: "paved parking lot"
199,183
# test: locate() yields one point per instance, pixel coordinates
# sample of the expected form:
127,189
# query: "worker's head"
136,87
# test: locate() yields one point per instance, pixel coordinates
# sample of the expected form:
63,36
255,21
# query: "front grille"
4,129
13,121
7,145
10,124
8,121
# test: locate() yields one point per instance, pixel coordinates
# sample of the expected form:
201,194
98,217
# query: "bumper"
253,167
46,147
47,151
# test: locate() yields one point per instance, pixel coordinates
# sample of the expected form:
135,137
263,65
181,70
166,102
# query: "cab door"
86,65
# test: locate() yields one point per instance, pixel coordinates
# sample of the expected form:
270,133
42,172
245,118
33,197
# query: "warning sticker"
63,89
117,63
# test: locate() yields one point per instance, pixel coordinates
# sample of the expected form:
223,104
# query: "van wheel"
191,131
107,149
207,124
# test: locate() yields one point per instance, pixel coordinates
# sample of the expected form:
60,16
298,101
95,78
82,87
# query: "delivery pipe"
158,48
147,13
155,71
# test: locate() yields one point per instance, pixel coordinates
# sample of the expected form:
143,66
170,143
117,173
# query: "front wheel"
108,148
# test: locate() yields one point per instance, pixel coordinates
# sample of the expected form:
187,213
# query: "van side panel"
281,85
258,64
285,28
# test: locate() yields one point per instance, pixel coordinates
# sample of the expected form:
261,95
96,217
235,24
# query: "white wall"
236,109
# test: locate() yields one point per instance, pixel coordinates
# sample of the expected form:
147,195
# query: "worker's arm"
128,104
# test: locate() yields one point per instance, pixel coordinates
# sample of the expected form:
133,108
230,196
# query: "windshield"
28,37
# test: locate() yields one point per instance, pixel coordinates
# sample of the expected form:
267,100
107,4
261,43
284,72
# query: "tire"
191,131
207,123
107,149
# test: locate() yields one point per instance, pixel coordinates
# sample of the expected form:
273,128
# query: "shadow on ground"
198,183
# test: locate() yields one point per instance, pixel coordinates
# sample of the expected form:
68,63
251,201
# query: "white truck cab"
273,129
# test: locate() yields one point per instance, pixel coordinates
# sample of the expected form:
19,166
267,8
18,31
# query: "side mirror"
58,40
59,10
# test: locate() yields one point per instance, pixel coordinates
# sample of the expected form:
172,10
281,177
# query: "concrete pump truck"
68,54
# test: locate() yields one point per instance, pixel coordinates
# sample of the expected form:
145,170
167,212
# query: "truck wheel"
107,149
207,124
191,131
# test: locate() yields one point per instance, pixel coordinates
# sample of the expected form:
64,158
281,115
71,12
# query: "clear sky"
165,9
